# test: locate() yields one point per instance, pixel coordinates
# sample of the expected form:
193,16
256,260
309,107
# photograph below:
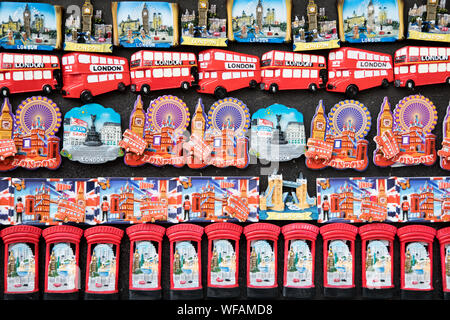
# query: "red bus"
351,70
417,66
86,75
7,148
28,72
287,70
156,70
222,71
131,142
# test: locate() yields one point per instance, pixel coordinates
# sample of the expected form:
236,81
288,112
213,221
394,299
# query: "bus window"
18,76
8,58
103,77
448,67
28,75
206,75
306,58
192,56
433,51
332,56
176,56
92,78
8,76
269,73
314,74
148,73
226,75
359,74
346,73
219,56
423,51
362,55
102,60
352,54
214,75
167,56
368,73
236,75
54,60
185,57
442,67
243,74
110,61
338,74
403,69
433,67
139,74
423,68
157,73
289,56
287,73
305,73
70,60
167,72
297,57
207,56
413,69
331,74
243,59
370,56
47,74
116,61
148,55
236,58
200,57
383,72
46,59
376,57
277,73
339,55
84,58
314,59
297,73
321,60
413,51
176,72
1,77
38,59
376,73
200,75
185,72
18,58
111,76
251,74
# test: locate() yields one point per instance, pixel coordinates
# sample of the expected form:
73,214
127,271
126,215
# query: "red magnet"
61,262
223,260
444,239
21,262
378,260
416,250
145,261
339,259
102,267
262,241
299,259
185,261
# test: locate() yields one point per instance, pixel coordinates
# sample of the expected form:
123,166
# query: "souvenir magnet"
339,259
429,20
444,240
377,260
62,269
21,262
444,153
7,206
416,252
223,260
299,260
262,243
145,261
185,261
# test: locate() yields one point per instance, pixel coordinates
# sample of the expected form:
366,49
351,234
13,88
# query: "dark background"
304,101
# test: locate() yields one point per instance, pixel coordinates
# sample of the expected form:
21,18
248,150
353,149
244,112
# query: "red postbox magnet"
444,239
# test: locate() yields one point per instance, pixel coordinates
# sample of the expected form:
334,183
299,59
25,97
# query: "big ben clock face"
387,122
6,125
202,5
198,125
319,126
312,9
138,121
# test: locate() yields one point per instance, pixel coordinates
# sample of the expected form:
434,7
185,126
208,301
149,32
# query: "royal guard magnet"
444,153
337,140
339,259
21,262
262,243
62,269
185,261
299,260
428,20
102,265
377,260
145,261
223,260
443,236
416,253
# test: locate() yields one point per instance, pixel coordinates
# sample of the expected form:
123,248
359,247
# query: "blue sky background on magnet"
134,9
15,10
103,114
249,6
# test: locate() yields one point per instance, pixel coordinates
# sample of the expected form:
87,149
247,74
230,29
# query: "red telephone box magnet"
416,250
223,260
444,239
102,265
299,260
21,262
145,261
185,261
62,270
262,241
339,259
377,260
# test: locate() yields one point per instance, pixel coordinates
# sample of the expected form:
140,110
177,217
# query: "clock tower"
27,20
312,15
6,122
138,118
145,23
259,15
87,11
81,199
198,121
319,123
203,13
432,10
386,118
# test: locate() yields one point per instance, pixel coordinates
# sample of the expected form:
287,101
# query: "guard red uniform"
326,209
19,211
405,209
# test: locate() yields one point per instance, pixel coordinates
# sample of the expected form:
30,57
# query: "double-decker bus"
87,75
222,71
417,66
28,73
156,70
352,70
287,70
131,142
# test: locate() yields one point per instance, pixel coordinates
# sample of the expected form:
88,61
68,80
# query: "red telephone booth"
377,260
299,260
262,241
21,262
339,259
102,265
223,260
145,261
185,261
416,253
444,239
62,273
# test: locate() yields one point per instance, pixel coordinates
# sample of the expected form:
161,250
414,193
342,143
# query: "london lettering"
298,64
28,65
373,65
106,68
433,58
239,66
167,63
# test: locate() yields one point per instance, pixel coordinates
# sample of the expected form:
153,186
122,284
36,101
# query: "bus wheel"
253,84
185,86
145,89
313,87
121,87
5,92
47,89
448,80
384,83
86,96
220,92
351,91
273,88
410,84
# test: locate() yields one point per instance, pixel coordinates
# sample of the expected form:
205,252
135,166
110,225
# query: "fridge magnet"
185,261
86,75
405,137
62,269
170,70
262,243
299,260
363,199
370,21
145,261
223,260
220,199
377,260
264,21
337,140
7,146
92,134
21,267
138,200
339,259
318,31
30,26
416,253
145,24
54,201
85,30
429,20
7,201
203,27
277,133
444,153
274,204
444,241
102,265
